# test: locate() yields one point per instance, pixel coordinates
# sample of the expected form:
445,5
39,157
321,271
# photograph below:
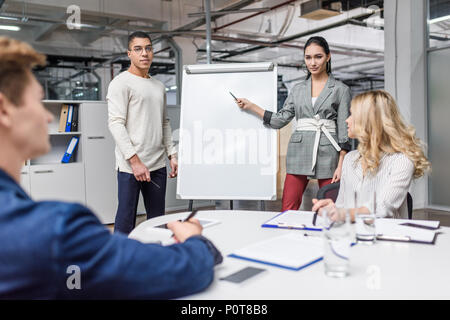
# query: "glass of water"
365,224
337,242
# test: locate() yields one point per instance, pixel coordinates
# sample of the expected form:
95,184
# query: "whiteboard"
226,153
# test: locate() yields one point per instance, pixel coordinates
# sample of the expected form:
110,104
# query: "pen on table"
233,96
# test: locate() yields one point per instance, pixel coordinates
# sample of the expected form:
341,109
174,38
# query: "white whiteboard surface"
226,153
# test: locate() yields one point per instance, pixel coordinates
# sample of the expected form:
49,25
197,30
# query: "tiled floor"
421,214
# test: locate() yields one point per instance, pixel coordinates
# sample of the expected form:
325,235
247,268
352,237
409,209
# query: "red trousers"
294,186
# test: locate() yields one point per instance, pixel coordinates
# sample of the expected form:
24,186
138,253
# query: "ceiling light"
9,18
10,28
440,19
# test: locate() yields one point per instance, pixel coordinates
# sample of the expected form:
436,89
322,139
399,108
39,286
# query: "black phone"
243,274
409,224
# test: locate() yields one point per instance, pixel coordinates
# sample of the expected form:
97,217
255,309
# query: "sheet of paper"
292,250
296,219
392,228
156,235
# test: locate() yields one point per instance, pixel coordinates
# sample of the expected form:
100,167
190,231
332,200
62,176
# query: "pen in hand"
193,213
155,184
314,218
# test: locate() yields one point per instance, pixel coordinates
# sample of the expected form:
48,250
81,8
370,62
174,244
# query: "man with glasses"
138,122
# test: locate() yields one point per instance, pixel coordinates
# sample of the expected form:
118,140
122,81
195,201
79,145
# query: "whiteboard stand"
191,205
262,205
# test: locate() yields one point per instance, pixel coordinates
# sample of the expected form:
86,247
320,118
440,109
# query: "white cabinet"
99,160
62,182
89,178
25,178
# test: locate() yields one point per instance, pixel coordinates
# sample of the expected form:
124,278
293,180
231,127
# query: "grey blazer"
333,103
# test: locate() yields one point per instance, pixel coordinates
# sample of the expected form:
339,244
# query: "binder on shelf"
299,220
63,118
69,119
75,119
70,150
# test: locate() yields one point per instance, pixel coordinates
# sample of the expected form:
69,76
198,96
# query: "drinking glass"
337,242
365,224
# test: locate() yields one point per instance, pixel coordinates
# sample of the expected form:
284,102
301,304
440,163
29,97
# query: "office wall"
405,71
439,129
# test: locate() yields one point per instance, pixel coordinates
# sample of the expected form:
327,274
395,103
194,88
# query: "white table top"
385,270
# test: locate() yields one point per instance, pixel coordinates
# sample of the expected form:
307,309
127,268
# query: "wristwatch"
212,248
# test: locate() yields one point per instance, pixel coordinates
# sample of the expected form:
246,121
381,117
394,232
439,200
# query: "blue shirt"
43,244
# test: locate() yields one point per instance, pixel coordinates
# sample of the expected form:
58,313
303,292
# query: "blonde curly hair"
380,129
17,58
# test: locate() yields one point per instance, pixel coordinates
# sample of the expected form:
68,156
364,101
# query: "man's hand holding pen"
183,230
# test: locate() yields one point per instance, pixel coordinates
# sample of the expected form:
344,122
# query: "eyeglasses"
138,50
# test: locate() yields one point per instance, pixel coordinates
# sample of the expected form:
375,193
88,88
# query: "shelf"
54,165
74,133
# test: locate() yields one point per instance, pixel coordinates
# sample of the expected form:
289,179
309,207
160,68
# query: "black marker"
233,96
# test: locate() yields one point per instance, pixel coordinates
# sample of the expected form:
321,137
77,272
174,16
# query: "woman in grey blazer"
320,105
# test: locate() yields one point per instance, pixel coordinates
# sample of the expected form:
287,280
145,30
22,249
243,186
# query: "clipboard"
296,220
292,251
402,230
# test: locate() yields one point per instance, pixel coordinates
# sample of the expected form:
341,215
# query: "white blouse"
391,183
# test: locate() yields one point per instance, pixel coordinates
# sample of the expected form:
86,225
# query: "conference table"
384,270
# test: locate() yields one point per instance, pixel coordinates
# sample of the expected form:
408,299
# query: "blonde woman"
389,156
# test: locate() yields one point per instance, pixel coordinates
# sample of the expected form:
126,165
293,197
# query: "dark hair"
138,34
320,41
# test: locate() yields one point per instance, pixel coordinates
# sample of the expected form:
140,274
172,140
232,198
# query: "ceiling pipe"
255,14
300,35
215,13
200,22
208,30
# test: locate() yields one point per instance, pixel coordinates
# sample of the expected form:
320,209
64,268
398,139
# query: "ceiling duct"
319,10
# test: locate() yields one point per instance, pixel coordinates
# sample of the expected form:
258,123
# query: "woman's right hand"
245,104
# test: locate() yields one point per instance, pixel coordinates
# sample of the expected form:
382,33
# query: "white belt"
318,125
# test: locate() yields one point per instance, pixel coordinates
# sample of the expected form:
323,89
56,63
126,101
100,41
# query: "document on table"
301,220
155,235
292,251
396,230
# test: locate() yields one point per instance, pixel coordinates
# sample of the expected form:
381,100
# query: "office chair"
409,202
331,191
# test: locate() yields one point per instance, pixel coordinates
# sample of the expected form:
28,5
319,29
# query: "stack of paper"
293,251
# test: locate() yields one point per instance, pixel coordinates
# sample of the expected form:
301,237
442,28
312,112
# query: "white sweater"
137,119
391,183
